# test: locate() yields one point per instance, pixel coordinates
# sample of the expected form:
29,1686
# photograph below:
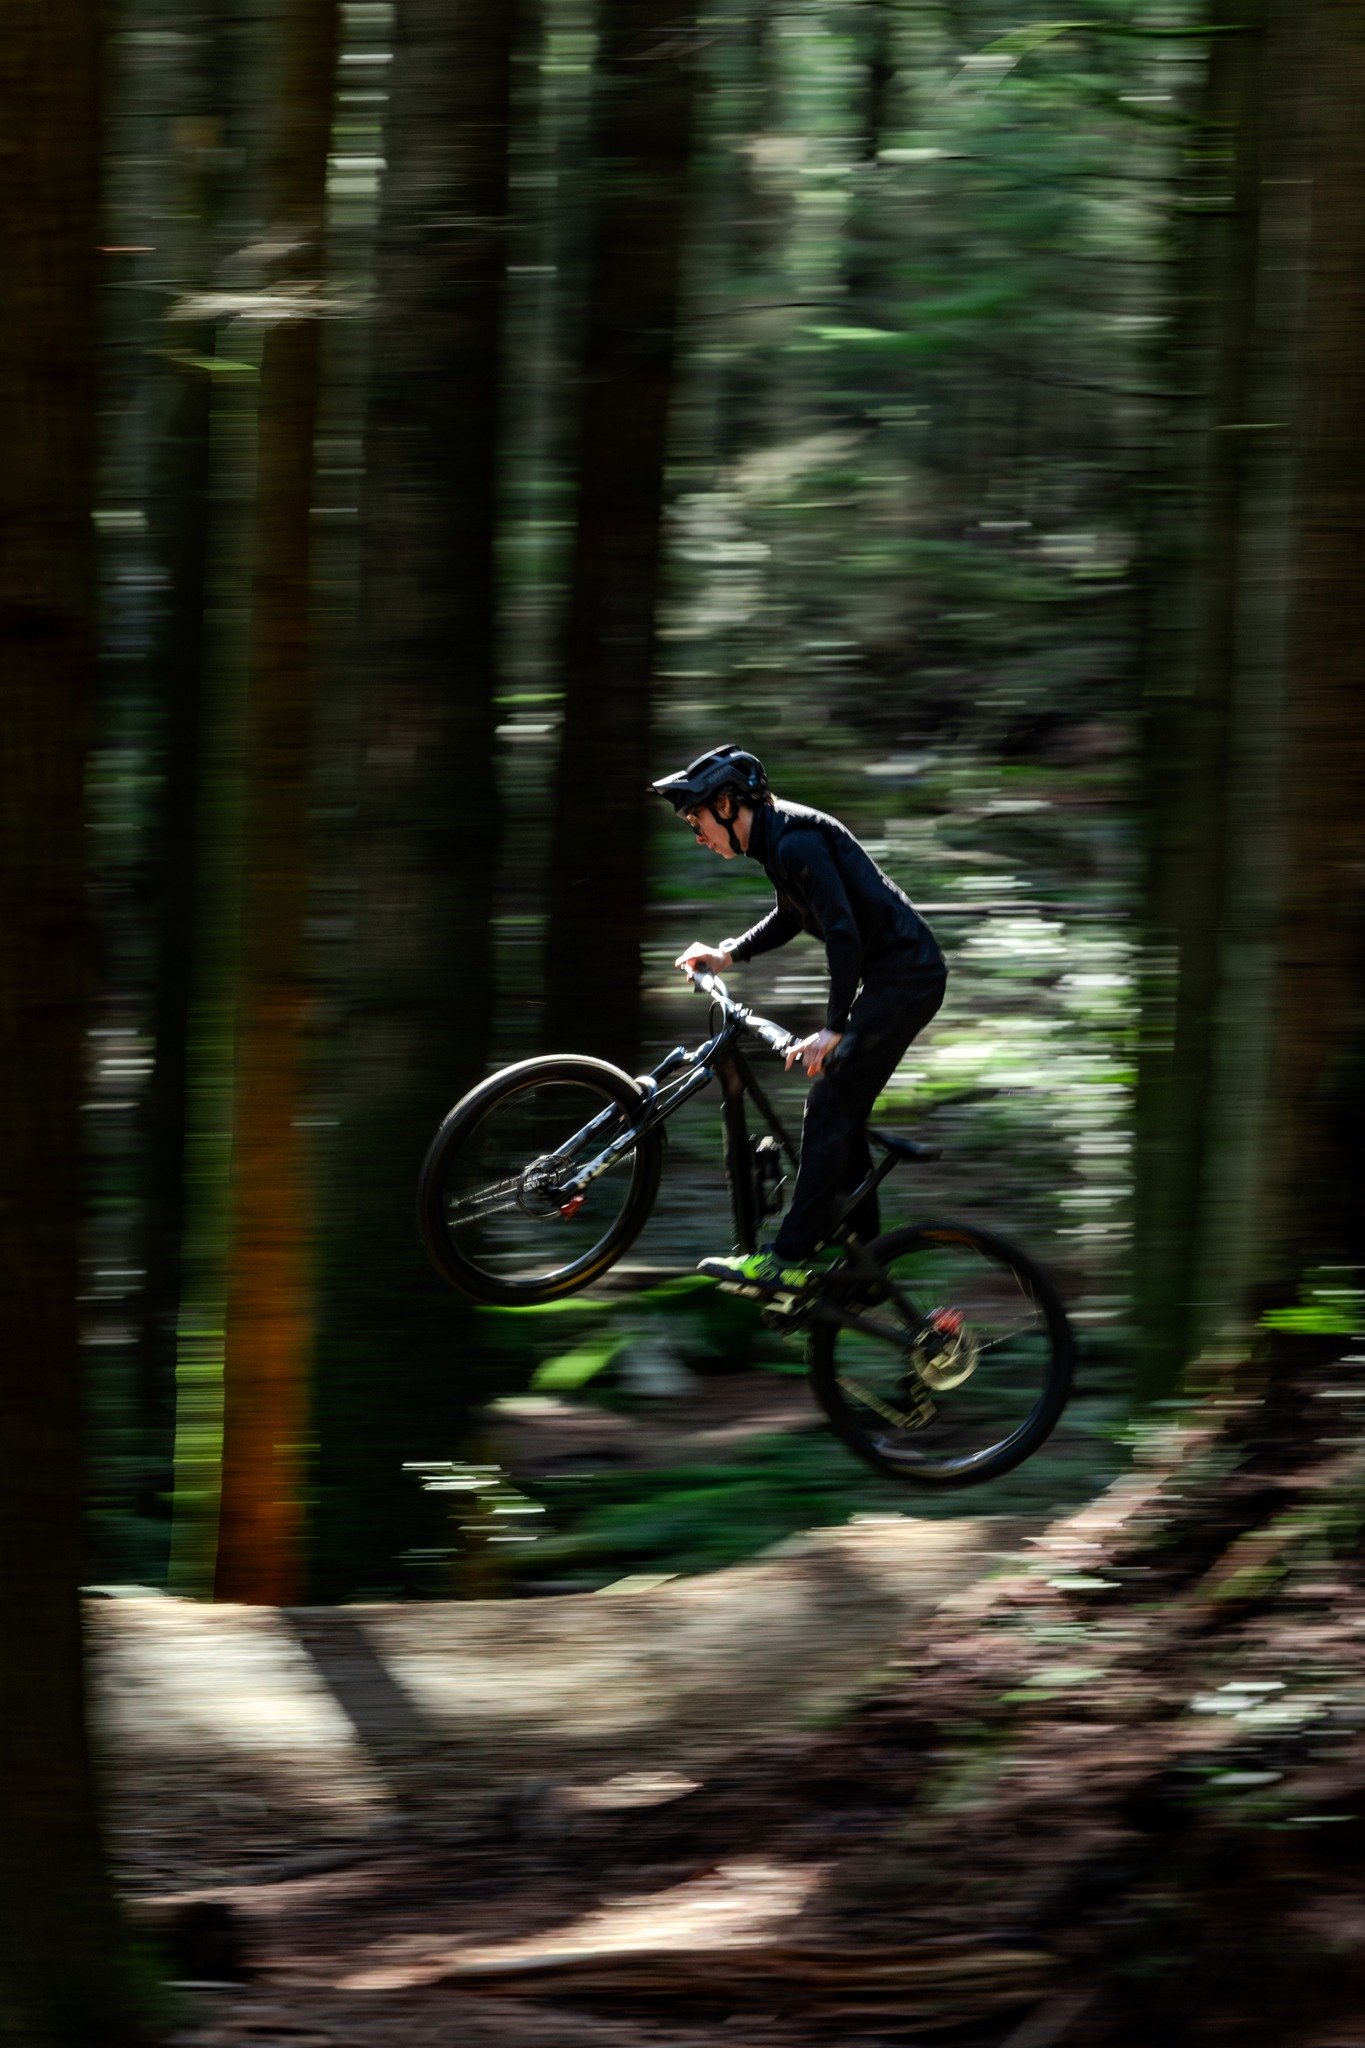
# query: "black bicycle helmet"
710,776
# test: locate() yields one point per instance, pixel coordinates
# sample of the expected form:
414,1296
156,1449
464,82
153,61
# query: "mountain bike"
939,1352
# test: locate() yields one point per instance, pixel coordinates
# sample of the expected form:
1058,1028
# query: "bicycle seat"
905,1148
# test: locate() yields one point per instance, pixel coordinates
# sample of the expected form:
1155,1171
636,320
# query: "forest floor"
375,1794
889,1786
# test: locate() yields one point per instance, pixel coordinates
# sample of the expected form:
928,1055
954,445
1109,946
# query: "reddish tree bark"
268,1352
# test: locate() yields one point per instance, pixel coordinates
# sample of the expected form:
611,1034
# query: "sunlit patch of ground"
280,1732
736,1905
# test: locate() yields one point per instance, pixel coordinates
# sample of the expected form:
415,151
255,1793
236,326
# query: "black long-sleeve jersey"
830,886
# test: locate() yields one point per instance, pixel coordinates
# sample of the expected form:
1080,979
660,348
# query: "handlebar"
772,1035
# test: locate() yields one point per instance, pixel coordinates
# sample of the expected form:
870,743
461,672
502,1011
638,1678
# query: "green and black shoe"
761,1275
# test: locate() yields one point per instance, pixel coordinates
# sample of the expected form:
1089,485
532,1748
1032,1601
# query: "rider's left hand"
813,1051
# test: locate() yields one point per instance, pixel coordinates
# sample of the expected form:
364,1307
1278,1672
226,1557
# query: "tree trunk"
395,1364
1195,709
267,1352
178,515
867,238
601,813
63,1973
1313,1209
1250,1108
753,231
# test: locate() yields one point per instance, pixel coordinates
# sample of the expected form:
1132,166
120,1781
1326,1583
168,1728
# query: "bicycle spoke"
484,1202
1019,1330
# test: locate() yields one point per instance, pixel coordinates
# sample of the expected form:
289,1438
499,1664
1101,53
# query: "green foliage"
570,1370
1329,1305
701,1323
703,1516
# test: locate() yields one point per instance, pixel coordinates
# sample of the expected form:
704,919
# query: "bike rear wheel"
496,1204
971,1383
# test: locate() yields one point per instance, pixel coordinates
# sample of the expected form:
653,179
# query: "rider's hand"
813,1051
698,955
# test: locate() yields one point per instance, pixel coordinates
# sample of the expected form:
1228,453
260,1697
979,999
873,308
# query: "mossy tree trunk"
1250,1116
597,886
1194,709
395,1364
179,499
1313,1206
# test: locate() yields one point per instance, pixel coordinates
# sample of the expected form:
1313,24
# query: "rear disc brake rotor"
946,1352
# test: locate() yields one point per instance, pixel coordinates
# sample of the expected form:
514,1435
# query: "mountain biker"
886,981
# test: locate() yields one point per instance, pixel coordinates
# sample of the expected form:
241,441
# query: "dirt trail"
238,1735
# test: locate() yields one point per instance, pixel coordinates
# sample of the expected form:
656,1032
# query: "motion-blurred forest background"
423,422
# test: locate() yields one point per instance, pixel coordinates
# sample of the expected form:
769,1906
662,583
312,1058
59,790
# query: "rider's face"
708,830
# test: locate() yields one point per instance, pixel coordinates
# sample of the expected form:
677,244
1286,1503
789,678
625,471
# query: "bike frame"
683,1073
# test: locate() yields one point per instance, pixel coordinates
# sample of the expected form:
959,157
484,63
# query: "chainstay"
896,1417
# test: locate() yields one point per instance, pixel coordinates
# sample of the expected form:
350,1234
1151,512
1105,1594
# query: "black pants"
888,1014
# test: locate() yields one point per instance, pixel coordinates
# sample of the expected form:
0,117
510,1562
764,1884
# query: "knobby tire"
460,1132
901,1455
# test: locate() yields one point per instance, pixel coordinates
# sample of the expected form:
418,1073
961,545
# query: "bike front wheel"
963,1382
498,1205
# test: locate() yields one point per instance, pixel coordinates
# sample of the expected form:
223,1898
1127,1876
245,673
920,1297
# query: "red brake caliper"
572,1207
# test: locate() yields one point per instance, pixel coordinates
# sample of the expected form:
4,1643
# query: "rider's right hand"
698,955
